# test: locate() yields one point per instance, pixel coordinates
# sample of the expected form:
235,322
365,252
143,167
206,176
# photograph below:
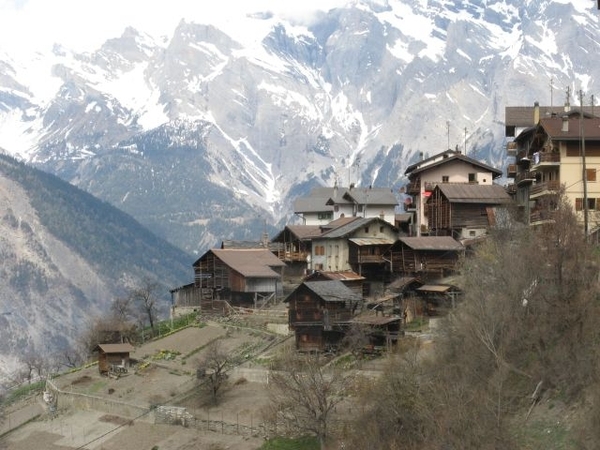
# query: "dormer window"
445,179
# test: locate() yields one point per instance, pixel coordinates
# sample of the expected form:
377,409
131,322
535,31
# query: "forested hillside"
65,256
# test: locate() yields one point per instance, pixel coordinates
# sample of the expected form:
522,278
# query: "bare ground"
165,376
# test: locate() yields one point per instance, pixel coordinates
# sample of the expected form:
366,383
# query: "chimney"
335,189
536,113
565,124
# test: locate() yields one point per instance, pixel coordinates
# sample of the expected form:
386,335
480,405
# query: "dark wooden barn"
320,312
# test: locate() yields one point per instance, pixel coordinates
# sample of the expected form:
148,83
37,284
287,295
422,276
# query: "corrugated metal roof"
432,243
474,193
372,241
342,275
116,348
251,263
434,288
333,291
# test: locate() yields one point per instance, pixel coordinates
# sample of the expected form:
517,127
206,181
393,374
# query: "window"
472,233
445,179
360,208
318,266
381,229
319,250
591,202
590,174
336,208
472,178
366,229
325,215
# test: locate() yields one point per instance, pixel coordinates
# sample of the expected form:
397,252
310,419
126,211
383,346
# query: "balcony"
525,178
544,187
511,171
539,217
414,188
545,159
511,148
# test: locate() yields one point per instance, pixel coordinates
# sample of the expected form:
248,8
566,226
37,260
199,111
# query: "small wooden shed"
113,357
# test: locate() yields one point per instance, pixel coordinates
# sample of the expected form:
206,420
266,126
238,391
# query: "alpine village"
357,290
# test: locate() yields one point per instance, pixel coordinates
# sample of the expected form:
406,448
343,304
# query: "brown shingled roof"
474,193
251,263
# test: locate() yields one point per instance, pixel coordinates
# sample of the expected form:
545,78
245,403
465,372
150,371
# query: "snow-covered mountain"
207,135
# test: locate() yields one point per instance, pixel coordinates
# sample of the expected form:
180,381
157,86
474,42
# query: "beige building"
449,167
560,149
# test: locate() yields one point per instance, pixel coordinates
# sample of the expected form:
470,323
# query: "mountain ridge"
237,130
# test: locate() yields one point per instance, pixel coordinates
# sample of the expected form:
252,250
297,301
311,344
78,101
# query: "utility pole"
585,199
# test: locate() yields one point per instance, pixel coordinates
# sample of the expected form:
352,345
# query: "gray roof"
333,291
312,204
350,227
474,193
432,243
251,263
371,196
523,116
323,198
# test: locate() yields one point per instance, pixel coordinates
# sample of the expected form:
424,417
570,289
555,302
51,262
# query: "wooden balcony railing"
545,158
525,177
537,188
511,171
511,148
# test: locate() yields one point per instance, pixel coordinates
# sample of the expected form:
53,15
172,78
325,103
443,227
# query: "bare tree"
212,370
145,296
356,339
305,393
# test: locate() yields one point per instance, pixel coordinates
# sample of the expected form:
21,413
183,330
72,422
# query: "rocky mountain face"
204,136
65,256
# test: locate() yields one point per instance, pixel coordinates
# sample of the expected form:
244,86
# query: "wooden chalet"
113,358
464,210
356,244
448,167
320,312
293,246
425,255
243,277
351,279
405,302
